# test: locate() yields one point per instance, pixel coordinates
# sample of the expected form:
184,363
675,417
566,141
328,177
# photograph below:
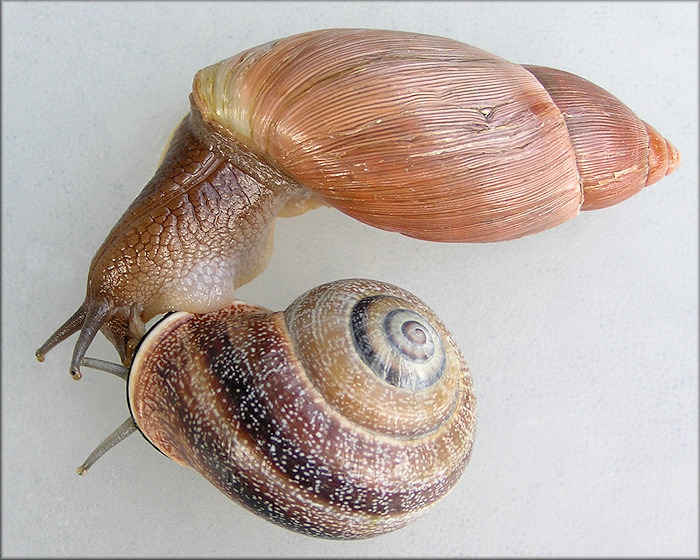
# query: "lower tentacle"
94,319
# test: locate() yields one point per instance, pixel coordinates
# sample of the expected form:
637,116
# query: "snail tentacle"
127,428
108,367
95,317
72,325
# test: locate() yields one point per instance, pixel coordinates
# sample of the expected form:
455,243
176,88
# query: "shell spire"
617,153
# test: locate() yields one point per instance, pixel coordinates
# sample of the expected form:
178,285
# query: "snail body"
346,416
411,133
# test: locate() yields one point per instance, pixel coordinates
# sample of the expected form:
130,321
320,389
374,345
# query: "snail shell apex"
617,153
226,393
318,321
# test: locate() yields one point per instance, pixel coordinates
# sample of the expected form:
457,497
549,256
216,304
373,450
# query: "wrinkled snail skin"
246,398
421,135
200,228
197,231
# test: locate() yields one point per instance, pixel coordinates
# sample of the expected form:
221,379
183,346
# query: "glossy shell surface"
227,394
431,137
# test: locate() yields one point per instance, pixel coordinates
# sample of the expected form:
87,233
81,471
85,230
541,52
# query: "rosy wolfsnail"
412,133
346,416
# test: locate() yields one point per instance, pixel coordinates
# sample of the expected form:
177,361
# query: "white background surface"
582,340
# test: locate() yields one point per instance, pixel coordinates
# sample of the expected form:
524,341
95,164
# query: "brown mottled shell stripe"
271,441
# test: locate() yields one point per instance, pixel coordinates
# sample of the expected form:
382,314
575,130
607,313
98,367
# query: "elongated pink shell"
428,136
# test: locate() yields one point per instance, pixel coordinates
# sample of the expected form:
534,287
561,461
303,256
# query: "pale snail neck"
244,156
230,193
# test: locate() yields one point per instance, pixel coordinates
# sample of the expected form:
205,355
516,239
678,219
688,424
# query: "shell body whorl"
227,394
411,133
430,137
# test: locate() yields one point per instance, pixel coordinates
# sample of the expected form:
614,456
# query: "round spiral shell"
313,418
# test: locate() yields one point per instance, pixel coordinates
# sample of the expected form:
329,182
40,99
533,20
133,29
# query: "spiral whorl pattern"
349,337
280,413
399,345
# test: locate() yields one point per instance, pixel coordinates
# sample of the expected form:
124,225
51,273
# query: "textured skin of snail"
412,133
346,416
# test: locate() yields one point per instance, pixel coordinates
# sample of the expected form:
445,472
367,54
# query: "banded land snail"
421,135
346,416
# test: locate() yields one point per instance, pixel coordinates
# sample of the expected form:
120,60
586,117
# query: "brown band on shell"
286,455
